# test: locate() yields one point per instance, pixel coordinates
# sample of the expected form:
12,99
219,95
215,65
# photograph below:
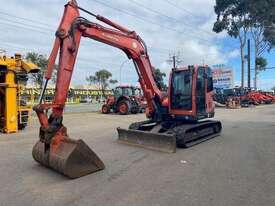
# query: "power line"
172,18
169,17
27,27
269,68
20,47
14,16
154,49
151,22
146,20
43,23
17,25
25,24
181,8
78,59
8,46
17,47
38,28
136,16
157,50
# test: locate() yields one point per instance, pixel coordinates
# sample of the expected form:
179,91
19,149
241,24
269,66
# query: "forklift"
14,111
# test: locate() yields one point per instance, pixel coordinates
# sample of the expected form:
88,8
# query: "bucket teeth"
72,158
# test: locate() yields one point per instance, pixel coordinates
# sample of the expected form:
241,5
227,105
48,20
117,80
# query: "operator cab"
123,91
191,93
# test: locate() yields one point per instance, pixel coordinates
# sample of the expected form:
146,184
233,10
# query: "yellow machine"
14,111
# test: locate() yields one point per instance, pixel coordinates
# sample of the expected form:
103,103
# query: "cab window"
182,90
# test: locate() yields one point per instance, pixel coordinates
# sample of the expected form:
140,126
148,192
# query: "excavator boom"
55,149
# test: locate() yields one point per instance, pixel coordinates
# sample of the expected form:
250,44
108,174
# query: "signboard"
71,92
223,77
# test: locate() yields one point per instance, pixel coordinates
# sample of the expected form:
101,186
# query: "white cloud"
234,53
197,44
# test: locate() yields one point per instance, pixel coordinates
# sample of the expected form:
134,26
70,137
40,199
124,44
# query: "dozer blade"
149,140
72,158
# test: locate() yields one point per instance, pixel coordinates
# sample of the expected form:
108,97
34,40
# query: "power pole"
174,60
248,64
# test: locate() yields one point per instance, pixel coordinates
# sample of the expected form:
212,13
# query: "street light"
120,69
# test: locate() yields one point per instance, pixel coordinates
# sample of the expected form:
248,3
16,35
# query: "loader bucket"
154,141
72,158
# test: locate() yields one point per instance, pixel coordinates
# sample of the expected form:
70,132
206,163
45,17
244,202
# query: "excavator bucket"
150,140
72,158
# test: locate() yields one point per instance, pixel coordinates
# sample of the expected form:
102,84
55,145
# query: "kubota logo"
110,36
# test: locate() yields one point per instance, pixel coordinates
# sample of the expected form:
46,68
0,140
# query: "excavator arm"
55,149
68,36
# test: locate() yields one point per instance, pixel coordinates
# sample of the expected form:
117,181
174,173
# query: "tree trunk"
256,68
103,91
243,64
257,34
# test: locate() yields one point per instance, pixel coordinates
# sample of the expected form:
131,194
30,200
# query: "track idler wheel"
72,158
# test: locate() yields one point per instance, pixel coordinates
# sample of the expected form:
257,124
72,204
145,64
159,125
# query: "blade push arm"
68,36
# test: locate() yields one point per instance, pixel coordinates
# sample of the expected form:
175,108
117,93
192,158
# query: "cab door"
201,92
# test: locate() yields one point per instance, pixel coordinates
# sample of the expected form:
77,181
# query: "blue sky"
167,26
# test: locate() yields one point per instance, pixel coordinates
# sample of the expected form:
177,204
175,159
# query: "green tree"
41,61
262,14
102,78
261,63
257,33
113,81
159,78
261,17
237,17
233,17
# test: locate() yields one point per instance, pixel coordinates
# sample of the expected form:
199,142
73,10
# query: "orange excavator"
175,118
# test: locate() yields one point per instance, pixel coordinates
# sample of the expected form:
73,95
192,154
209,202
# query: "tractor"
126,100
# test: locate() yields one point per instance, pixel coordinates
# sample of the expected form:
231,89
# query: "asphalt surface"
235,169
83,108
